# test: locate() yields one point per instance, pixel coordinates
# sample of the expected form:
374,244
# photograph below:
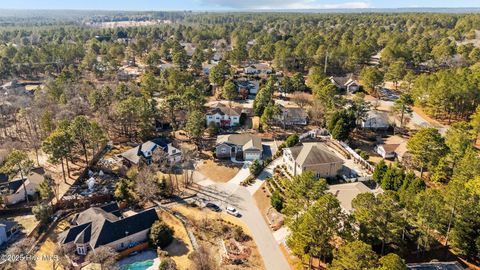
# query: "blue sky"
227,4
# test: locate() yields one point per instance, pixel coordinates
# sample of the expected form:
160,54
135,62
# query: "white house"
223,116
292,116
189,48
246,146
376,120
347,83
13,192
145,152
387,151
250,86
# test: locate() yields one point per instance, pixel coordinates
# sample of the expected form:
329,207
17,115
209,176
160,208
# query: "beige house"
105,226
312,157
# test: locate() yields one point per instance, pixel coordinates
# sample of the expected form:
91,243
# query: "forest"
432,59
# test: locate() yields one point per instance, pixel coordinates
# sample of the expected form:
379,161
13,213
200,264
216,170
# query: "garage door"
251,156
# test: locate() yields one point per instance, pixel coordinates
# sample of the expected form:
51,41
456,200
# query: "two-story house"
312,157
145,151
223,116
292,116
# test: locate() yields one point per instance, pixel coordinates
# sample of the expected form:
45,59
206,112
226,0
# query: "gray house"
245,146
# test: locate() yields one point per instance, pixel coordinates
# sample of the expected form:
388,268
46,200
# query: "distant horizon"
235,5
302,10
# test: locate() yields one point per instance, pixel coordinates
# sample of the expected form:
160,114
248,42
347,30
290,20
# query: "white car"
232,211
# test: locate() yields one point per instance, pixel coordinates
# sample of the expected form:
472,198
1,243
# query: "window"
81,250
223,150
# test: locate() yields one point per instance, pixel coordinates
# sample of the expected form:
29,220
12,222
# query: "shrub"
362,154
42,213
167,264
161,235
292,140
256,168
240,235
277,201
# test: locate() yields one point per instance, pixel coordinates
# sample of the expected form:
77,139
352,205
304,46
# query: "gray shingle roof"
223,110
436,266
246,141
313,153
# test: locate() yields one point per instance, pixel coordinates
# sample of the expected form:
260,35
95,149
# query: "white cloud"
285,4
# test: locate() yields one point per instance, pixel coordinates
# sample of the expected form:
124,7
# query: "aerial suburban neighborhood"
270,135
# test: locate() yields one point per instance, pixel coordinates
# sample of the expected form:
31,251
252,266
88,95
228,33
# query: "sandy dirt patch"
219,172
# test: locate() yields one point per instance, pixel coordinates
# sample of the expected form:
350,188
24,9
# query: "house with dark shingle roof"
145,151
312,157
105,226
13,191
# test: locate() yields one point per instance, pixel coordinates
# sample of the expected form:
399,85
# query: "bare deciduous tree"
204,259
302,99
146,184
105,256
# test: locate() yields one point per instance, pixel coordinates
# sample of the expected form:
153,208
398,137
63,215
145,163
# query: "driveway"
266,173
243,174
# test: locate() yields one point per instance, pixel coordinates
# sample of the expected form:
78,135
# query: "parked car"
213,207
232,211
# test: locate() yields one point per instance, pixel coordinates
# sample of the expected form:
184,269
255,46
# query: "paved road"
231,193
240,198
416,120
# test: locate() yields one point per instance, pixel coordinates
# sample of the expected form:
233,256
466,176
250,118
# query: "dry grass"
262,200
181,246
27,222
218,172
48,248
